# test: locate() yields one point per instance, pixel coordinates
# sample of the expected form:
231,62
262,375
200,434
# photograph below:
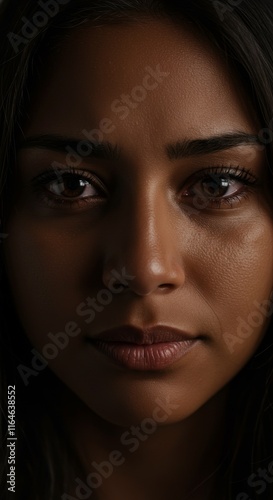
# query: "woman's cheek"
45,266
243,296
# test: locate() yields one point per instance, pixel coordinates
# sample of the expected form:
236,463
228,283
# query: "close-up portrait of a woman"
136,249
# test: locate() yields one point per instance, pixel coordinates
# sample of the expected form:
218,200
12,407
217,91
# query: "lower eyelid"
201,204
58,202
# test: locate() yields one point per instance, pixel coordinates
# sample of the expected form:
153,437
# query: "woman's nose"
143,239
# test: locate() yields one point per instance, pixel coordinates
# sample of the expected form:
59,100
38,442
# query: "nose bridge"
143,239
146,224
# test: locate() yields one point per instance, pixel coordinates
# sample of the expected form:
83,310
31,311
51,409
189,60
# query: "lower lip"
145,357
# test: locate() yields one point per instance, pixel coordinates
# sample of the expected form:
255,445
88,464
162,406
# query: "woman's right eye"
71,187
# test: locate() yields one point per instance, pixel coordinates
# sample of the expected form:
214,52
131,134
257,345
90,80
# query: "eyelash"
237,173
46,177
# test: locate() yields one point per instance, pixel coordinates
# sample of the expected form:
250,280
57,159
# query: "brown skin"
198,273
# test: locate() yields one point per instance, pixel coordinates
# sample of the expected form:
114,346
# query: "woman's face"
187,230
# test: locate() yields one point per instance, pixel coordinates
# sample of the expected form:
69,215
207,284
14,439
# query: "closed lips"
135,335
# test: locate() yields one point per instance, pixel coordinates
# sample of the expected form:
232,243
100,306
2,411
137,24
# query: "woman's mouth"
145,357
149,349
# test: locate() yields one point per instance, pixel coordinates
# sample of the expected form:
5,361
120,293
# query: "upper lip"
143,336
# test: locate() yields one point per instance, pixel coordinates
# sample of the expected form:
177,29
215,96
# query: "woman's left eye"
218,188
215,186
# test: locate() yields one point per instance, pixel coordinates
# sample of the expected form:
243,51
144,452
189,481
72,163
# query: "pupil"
72,183
216,187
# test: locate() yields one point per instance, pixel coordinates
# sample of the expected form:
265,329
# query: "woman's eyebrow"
174,151
63,144
213,144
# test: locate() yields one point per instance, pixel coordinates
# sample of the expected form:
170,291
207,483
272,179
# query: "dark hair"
243,31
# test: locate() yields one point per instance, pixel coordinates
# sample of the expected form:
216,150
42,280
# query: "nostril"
119,286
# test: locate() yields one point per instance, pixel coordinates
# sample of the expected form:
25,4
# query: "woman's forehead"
153,77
